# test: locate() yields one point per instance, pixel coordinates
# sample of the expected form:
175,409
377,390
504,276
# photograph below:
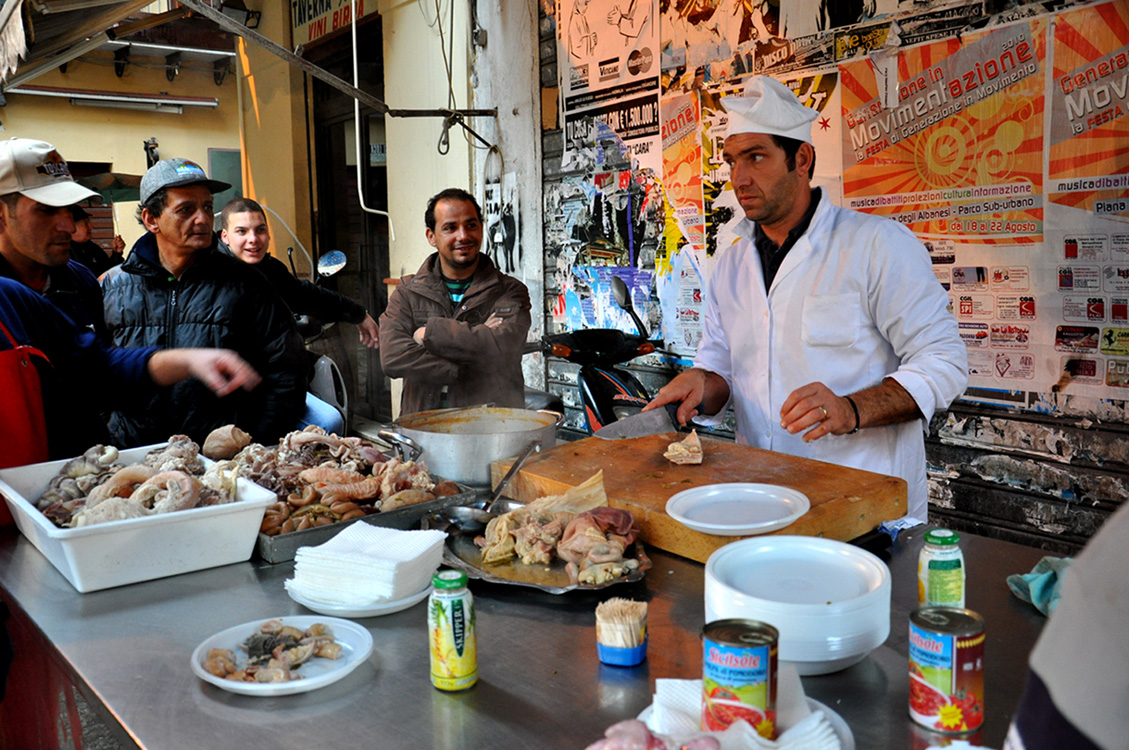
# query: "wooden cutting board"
845,503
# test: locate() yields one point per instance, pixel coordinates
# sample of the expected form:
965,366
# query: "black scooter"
608,393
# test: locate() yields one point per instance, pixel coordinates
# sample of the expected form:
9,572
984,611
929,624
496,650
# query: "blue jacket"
217,302
83,373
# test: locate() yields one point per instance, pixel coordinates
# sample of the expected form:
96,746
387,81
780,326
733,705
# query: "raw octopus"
594,544
92,489
322,479
274,652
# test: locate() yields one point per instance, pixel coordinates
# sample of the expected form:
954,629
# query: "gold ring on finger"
825,415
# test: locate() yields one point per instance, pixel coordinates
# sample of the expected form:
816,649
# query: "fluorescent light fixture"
161,50
114,100
172,109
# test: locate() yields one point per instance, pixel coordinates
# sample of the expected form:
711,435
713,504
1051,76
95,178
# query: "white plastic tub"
139,549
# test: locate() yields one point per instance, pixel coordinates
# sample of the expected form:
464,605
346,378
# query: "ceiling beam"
320,73
141,24
97,24
33,69
65,6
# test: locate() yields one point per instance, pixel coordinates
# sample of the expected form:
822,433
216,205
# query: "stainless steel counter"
541,685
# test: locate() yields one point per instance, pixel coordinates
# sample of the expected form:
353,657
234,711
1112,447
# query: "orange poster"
953,148
1089,155
682,165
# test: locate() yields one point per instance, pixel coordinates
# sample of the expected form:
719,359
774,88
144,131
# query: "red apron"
23,430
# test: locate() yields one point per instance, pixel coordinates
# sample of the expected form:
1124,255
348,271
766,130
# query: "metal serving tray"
282,548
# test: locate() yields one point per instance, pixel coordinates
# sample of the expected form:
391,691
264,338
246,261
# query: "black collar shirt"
773,256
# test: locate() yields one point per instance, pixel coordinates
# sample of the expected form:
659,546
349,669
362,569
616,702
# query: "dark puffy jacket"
91,255
217,302
474,363
303,297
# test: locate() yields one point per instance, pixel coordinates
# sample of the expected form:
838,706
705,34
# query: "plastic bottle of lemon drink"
450,625
940,570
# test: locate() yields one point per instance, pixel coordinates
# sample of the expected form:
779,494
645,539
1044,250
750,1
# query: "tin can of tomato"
739,675
946,669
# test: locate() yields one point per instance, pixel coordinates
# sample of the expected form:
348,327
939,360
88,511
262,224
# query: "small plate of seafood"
557,543
375,609
282,656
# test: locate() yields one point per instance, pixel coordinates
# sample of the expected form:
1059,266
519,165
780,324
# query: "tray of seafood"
110,518
324,482
283,547
558,543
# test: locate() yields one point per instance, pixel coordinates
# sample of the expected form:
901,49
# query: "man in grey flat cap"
825,328
177,289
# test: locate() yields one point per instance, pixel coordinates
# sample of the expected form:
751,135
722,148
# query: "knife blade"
644,423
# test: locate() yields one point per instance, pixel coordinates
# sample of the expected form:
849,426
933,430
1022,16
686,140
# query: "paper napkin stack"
365,564
677,712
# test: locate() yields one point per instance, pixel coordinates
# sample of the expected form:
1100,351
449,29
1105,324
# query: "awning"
59,31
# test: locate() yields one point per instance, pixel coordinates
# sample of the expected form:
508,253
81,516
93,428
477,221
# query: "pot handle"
559,415
408,449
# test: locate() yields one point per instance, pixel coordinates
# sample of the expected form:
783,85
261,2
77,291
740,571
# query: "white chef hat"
768,106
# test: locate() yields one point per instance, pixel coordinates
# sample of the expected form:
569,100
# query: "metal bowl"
472,518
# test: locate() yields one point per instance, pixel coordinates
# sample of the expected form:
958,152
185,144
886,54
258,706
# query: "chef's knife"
654,422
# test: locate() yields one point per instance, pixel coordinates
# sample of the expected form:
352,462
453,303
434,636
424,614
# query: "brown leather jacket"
477,364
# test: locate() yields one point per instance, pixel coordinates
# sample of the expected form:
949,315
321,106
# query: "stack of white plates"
829,600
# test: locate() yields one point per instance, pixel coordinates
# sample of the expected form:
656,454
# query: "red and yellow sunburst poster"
955,149
1089,154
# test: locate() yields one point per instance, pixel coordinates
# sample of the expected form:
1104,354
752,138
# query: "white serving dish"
737,508
139,549
829,600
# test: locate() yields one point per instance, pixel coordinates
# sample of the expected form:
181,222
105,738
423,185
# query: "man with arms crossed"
825,328
454,330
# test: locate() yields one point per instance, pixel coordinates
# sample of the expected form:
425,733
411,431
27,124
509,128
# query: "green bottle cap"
449,579
942,537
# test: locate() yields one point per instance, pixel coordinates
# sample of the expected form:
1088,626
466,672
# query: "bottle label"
946,583
454,655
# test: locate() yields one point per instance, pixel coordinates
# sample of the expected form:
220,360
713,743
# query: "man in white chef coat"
825,328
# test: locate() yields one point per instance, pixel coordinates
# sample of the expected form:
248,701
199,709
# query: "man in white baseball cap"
825,329
37,170
54,305
37,190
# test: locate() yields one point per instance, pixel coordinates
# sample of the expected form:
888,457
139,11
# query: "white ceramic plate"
316,673
838,724
737,509
382,607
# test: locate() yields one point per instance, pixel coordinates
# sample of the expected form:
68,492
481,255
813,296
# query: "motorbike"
326,381
608,393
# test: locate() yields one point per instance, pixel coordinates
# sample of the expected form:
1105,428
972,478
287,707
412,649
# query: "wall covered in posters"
994,130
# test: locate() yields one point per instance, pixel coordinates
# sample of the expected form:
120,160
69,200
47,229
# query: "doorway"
340,222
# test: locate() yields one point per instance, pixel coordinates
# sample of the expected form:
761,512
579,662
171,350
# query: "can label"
454,648
739,675
946,671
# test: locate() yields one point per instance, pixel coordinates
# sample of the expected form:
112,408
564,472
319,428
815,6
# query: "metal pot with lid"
460,444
